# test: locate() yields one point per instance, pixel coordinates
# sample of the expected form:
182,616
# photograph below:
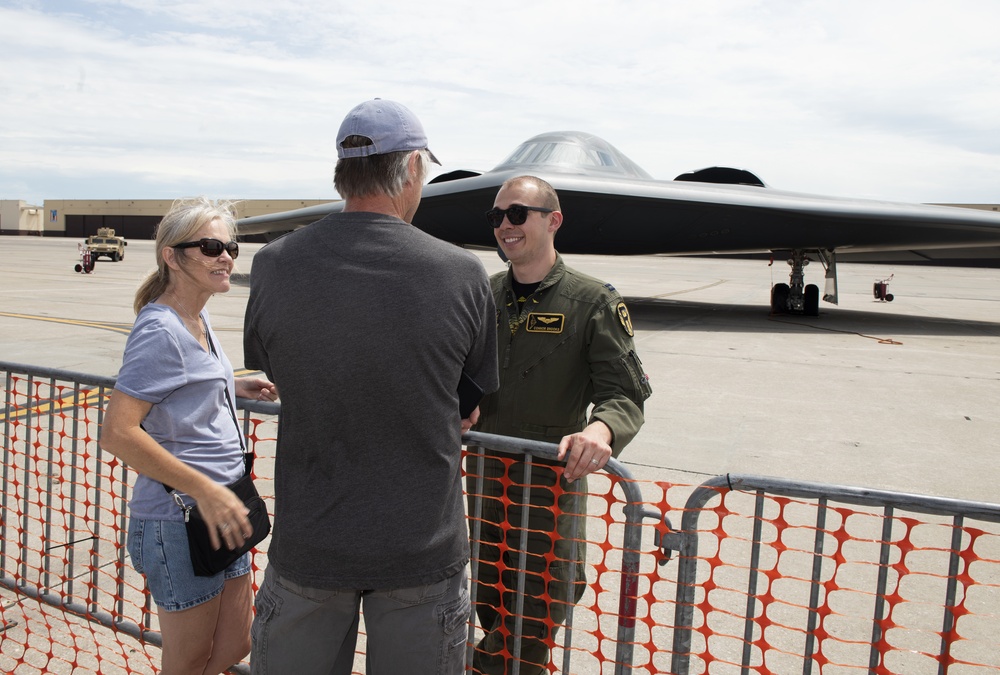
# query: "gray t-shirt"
164,365
365,325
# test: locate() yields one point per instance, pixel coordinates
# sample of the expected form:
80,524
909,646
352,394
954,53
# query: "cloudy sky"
142,99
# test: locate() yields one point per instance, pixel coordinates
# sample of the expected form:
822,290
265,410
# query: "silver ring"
224,527
594,461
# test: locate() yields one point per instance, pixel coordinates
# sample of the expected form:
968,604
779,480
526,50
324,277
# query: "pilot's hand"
586,451
471,420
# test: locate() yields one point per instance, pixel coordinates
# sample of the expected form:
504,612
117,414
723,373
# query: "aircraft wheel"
779,299
889,297
811,307
78,268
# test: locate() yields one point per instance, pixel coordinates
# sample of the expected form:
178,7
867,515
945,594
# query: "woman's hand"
224,514
123,436
256,388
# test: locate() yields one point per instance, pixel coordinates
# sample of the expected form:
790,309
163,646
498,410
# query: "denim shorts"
159,551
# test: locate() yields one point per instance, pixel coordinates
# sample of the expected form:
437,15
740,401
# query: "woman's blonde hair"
183,220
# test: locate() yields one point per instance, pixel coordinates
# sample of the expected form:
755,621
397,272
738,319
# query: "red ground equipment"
86,264
881,289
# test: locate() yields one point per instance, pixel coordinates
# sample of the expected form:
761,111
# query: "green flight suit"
570,346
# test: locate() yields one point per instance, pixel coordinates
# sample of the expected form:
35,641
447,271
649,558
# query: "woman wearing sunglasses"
169,419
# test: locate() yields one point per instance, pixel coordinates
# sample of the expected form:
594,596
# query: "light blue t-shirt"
164,365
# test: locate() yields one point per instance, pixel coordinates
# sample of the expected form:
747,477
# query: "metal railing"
631,546
899,548
51,419
771,576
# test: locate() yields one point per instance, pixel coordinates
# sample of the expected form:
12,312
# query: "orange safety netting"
776,581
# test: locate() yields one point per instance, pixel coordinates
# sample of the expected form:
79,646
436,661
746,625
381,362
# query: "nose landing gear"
796,297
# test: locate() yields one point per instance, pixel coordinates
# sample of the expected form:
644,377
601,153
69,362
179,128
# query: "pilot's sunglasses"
213,248
516,214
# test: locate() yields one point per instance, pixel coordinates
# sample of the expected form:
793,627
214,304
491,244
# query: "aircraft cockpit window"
562,154
574,153
544,154
520,155
567,154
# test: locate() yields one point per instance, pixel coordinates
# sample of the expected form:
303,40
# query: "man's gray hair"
375,174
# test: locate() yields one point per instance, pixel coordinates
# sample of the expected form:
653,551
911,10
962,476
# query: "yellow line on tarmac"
123,328
48,406
89,396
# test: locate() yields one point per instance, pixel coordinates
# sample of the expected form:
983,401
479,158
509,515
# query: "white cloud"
892,99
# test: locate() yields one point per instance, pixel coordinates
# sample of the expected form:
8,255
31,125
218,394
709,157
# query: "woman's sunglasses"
213,248
516,214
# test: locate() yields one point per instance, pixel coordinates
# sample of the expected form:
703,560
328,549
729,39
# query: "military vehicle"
106,243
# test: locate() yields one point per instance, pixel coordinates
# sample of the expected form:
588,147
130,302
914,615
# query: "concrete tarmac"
899,396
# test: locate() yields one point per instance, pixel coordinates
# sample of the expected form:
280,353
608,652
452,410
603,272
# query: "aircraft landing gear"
796,297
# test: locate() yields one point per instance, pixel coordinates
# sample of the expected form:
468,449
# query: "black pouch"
208,561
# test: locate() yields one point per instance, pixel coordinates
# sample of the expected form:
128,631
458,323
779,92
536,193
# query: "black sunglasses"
213,248
516,214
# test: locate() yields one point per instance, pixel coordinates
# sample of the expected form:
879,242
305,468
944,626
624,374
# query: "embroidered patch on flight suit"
624,317
545,323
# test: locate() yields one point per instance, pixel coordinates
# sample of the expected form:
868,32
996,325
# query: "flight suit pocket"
637,375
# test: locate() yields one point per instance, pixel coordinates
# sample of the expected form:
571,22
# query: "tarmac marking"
690,290
115,327
66,403
122,328
70,402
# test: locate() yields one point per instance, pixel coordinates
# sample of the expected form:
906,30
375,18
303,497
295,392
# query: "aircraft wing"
611,206
642,217
615,208
286,221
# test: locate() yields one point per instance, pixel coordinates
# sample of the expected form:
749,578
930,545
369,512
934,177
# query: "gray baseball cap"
390,126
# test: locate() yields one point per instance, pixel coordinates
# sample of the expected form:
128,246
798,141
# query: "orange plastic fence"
794,584
781,584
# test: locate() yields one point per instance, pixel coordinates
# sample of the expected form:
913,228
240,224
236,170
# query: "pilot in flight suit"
565,346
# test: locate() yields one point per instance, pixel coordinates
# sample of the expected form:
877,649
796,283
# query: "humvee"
107,244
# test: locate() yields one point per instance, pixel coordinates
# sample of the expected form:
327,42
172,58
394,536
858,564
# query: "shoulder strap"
248,456
229,400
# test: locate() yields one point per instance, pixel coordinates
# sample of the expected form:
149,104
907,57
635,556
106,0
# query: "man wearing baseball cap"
366,325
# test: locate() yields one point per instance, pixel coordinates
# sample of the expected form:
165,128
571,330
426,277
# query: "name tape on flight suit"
545,323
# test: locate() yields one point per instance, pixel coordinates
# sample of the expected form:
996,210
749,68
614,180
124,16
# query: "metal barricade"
826,586
63,530
633,511
69,498
771,575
